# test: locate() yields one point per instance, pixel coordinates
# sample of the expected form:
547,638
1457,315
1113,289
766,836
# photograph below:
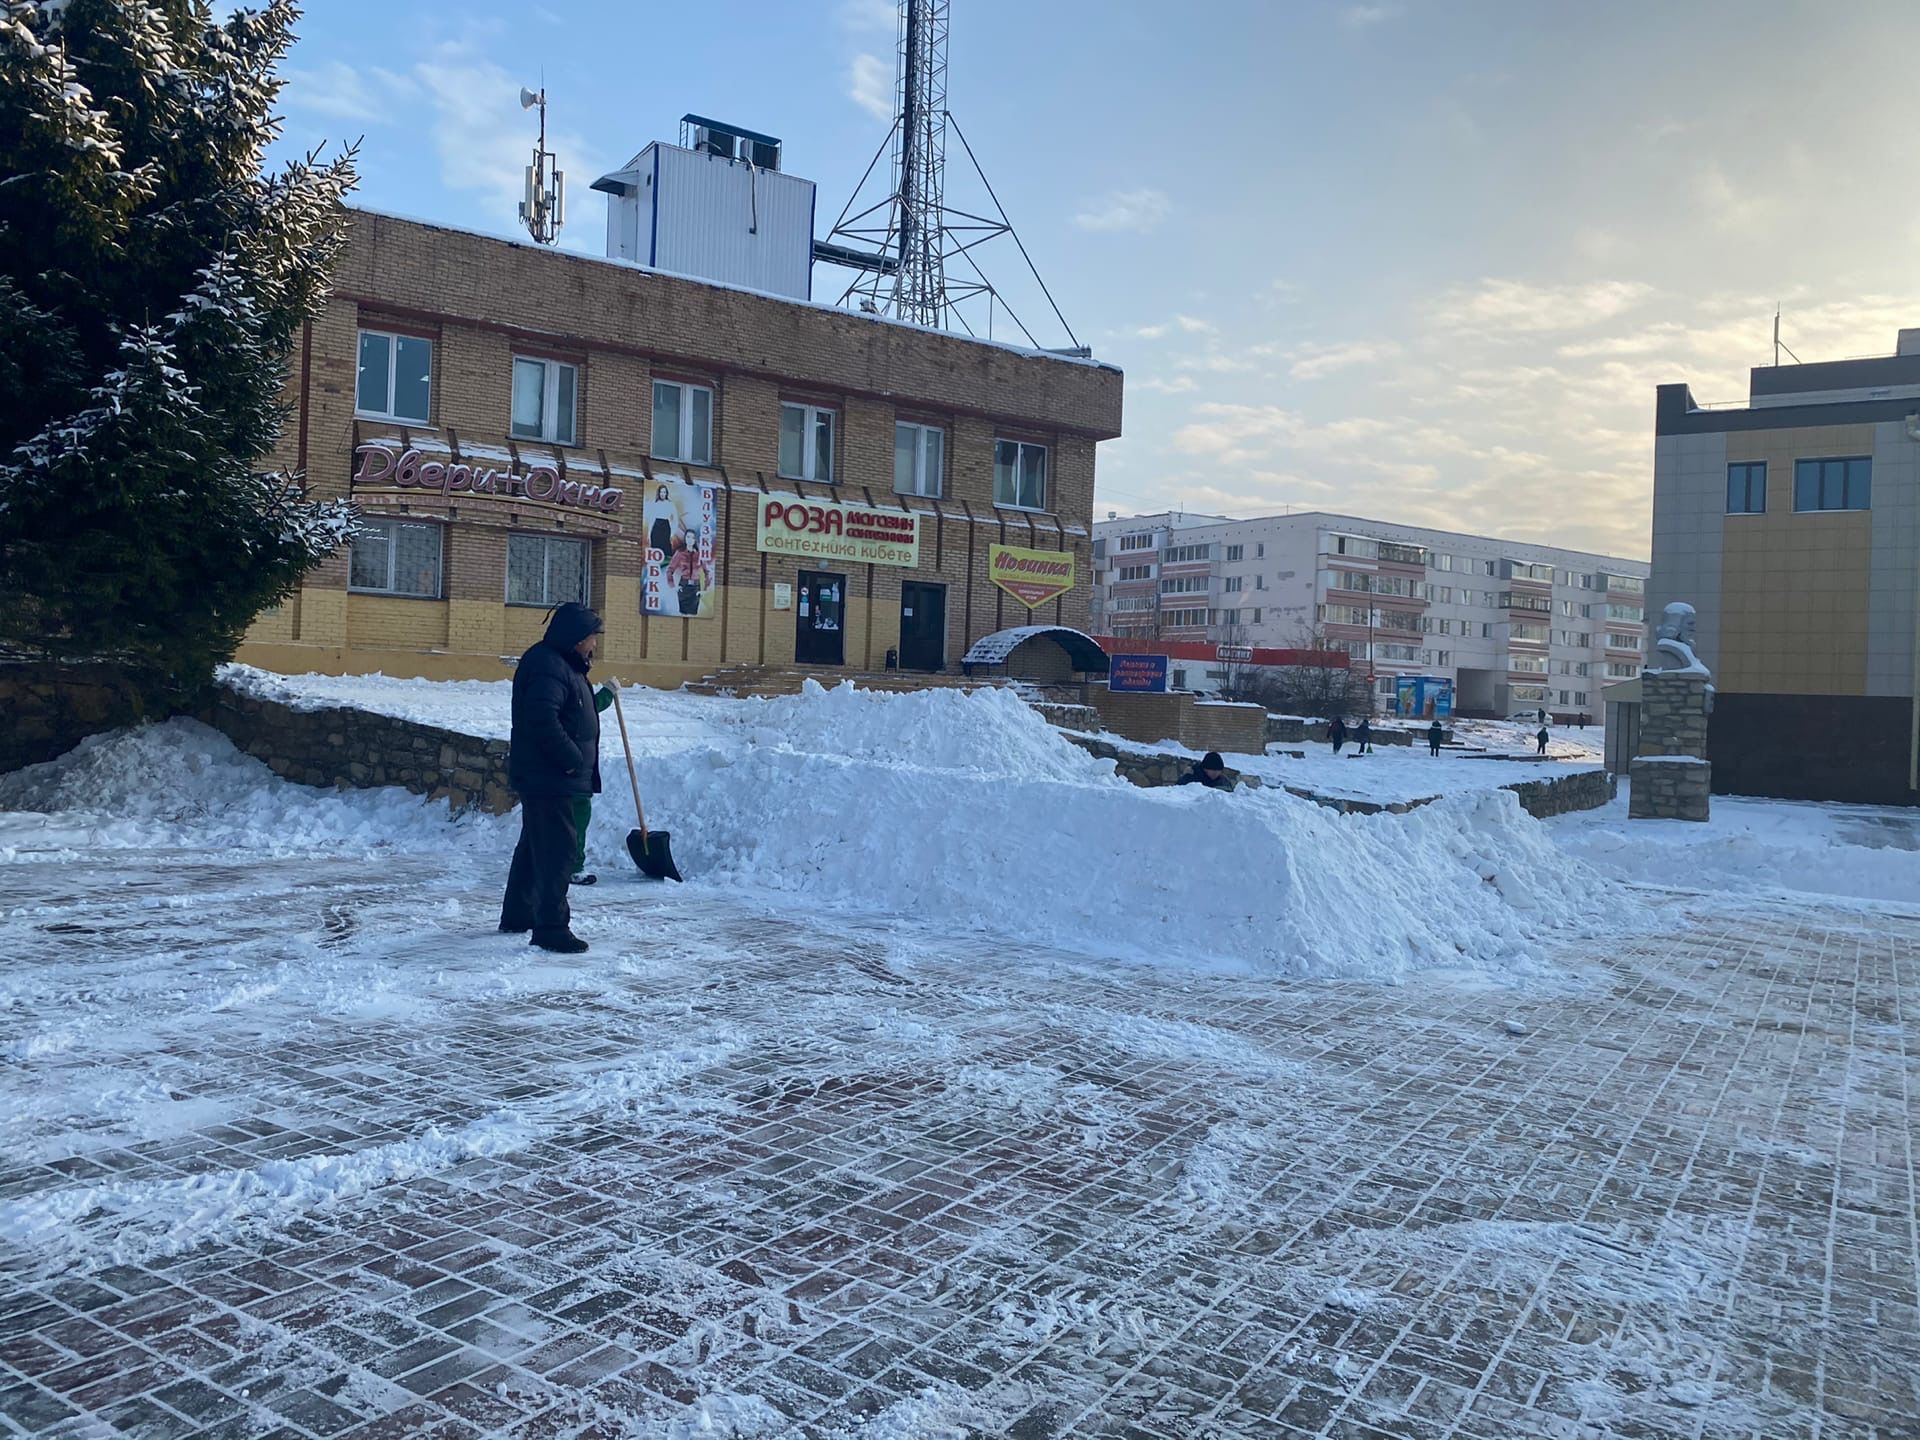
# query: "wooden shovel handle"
633,777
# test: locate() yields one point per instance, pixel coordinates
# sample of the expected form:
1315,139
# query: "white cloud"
482,137
1125,210
335,90
1312,362
1193,325
870,85
1361,17
1520,307
1178,385
868,15
1730,207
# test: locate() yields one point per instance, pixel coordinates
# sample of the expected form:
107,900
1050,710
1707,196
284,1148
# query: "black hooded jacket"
555,747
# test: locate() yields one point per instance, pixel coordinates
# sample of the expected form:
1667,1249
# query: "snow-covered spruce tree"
152,278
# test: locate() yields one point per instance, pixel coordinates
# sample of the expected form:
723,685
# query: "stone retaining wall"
1147,768
50,708
344,748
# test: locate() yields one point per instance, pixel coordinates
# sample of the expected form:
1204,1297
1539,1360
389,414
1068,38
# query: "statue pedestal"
1670,777
1668,787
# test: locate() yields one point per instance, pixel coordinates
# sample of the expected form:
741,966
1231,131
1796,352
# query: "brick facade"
483,301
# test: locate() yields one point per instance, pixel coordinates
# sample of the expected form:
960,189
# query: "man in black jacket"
552,759
1210,772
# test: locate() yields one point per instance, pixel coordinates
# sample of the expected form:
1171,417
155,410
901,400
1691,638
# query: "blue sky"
1419,261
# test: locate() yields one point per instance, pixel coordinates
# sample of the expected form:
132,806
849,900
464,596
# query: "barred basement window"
396,557
546,570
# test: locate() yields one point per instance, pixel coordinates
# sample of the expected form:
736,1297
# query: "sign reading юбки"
828,530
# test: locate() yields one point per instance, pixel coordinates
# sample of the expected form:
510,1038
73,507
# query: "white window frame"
440,564
549,401
809,442
921,431
546,569
683,442
1019,467
393,339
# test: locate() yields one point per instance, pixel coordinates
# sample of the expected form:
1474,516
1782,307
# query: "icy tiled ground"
297,1148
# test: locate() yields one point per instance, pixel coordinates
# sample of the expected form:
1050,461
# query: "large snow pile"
182,784
964,812
1749,846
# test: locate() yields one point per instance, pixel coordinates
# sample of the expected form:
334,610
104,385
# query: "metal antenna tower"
911,252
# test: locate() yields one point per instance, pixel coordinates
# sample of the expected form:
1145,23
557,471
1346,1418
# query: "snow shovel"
651,850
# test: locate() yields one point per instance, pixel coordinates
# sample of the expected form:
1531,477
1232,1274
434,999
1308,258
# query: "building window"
1256,615
1226,617
1616,641
543,393
1631,584
1260,550
1233,583
1134,572
1186,554
806,443
1833,484
1184,585
682,422
546,570
1626,612
396,557
1186,618
1619,671
1747,488
1020,474
1236,552
395,377
1520,694
1139,540
1486,631
918,451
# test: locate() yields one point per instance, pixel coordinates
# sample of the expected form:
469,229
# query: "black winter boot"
560,942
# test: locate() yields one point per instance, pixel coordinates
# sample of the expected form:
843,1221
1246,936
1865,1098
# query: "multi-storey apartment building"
1792,526
1516,627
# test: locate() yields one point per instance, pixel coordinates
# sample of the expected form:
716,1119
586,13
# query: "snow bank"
1756,846
182,783
965,812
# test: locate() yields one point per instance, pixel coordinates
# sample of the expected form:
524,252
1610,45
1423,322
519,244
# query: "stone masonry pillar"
1671,778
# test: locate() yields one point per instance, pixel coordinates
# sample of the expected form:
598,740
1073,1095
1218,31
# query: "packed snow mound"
966,813
1751,846
181,783
990,734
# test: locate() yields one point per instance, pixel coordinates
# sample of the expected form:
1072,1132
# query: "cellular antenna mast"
912,253
543,210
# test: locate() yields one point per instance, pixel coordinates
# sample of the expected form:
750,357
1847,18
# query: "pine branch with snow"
153,276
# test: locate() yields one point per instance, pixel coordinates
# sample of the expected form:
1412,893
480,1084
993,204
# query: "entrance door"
821,637
923,626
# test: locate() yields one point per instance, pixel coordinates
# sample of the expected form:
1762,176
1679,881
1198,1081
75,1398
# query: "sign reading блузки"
408,469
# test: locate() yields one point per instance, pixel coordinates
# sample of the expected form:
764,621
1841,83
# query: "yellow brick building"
503,414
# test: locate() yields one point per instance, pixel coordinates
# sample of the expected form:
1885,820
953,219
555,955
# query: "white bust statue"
1673,642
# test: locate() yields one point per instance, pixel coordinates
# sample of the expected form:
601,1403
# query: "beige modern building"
1791,525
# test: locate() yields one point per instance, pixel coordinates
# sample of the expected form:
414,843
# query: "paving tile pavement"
297,1149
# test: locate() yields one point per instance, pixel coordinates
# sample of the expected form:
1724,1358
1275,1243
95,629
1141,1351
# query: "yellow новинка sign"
827,530
1032,577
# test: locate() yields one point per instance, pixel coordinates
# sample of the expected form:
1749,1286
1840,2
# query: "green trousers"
582,813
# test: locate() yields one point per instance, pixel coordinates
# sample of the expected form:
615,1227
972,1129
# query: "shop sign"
1032,577
677,576
379,465
1138,674
827,530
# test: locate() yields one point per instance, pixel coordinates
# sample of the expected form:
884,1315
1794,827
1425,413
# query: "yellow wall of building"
386,622
1794,587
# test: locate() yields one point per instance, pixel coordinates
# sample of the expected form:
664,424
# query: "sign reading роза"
827,530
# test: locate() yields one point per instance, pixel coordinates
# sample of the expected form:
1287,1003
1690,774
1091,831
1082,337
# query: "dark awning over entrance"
1082,649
